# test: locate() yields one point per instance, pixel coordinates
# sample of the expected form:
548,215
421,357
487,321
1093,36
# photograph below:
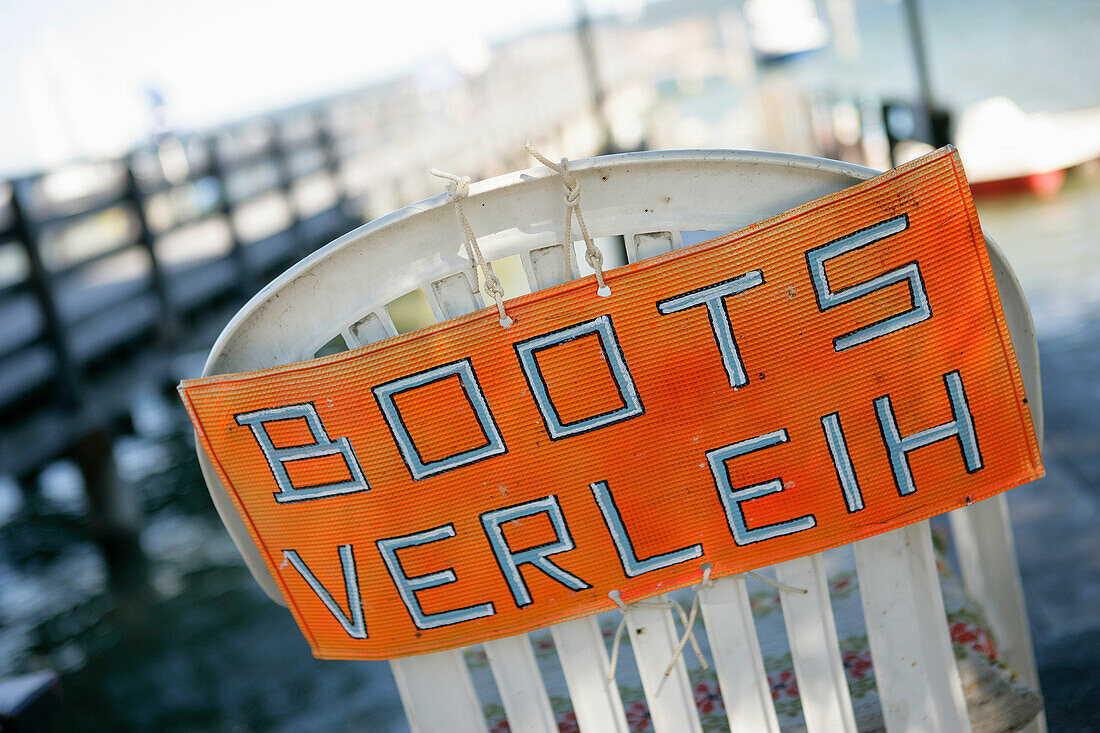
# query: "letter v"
356,626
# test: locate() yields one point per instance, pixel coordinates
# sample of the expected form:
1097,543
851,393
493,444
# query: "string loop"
776,583
688,621
458,188
572,188
689,626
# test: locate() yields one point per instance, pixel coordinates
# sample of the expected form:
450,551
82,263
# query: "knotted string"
776,583
685,619
458,189
688,620
572,187
615,596
689,625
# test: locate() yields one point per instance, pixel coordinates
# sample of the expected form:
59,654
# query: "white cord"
687,619
458,189
572,187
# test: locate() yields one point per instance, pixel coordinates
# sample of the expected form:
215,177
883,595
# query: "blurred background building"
160,162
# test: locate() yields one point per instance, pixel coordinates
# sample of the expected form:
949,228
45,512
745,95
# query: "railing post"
246,279
69,393
302,247
170,326
114,511
330,147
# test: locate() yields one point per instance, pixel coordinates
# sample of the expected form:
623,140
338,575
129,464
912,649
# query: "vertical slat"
372,327
815,650
437,693
736,656
453,296
585,664
918,682
436,689
653,638
516,671
579,643
545,266
986,551
652,631
643,245
513,663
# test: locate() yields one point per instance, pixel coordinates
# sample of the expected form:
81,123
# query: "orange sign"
834,372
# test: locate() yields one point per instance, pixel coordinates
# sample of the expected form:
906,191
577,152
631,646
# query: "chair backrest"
651,200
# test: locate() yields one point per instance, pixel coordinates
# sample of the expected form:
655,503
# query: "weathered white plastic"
815,650
649,198
585,664
907,624
738,662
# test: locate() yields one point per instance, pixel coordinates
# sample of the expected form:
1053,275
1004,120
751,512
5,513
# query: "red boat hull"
1040,184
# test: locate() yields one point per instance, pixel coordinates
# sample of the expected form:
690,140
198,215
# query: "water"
204,649
1053,246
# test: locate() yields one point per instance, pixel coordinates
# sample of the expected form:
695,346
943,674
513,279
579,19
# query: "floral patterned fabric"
996,699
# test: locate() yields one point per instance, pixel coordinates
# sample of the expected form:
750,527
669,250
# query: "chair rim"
499,183
1020,321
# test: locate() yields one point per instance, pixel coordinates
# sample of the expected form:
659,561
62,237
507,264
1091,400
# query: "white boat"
1006,149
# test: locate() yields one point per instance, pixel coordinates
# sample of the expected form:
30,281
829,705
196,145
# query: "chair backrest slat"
437,692
915,673
585,664
982,532
436,689
642,245
375,326
654,640
519,681
652,630
453,296
580,646
986,552
736,655
511,659
815,650
545,266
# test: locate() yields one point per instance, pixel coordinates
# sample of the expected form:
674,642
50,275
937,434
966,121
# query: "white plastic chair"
649,199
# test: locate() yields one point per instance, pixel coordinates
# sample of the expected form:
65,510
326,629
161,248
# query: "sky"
73,72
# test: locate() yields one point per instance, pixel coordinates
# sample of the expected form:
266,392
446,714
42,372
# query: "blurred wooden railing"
109,269
112,269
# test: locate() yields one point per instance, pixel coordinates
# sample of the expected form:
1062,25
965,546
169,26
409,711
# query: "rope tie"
776,583
689,625
458,189
687,619
572,188
615,596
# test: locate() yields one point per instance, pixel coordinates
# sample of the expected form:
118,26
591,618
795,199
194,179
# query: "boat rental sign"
834,372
